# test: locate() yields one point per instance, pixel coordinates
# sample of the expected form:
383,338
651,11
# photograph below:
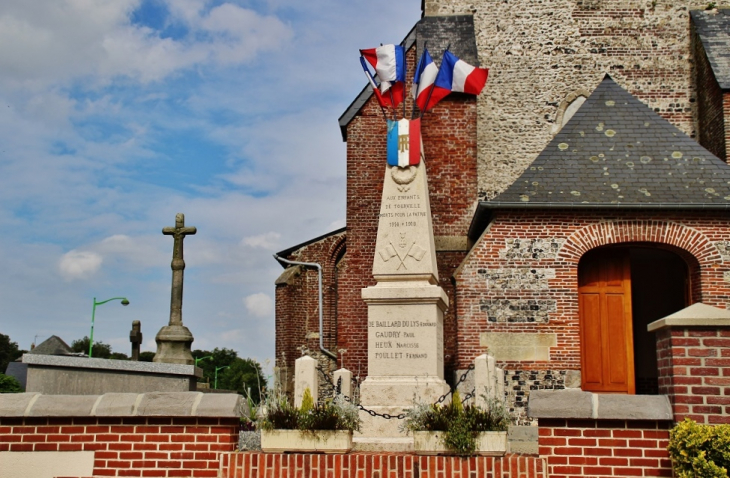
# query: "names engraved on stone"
387,338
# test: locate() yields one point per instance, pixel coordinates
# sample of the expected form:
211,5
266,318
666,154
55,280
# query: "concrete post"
305,376
488,380
346,381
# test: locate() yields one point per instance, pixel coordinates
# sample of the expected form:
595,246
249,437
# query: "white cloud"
79,264
259,305
269,241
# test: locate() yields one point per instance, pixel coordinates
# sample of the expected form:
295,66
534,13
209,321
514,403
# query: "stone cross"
178,266
135,336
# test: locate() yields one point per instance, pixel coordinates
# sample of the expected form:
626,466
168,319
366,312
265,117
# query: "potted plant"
456,429
324,427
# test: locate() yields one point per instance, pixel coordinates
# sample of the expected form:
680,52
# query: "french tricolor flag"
423,80
458,76
389,62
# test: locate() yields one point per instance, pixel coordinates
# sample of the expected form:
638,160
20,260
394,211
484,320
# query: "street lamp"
216,375
93,313
202,358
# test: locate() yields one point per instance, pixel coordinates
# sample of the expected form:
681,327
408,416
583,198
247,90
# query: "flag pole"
405,77
413,110
372,84
431,92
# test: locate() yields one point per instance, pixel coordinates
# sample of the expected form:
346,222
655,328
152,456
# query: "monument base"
393,396
173,345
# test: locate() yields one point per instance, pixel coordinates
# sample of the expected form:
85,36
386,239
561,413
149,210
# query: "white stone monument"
405,308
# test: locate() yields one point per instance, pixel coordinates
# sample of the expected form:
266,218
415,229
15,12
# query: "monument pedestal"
173,345
405,352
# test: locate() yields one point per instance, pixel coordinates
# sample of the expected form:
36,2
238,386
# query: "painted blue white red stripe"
458,76
404,142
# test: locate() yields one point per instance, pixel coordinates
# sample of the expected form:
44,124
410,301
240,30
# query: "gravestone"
405,308
174,340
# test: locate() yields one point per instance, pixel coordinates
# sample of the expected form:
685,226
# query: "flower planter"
318,441
488,444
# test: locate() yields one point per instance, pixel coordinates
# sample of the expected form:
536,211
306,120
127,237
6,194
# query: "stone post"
344,377
305,376
488,380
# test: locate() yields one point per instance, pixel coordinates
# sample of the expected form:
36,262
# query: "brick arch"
618,232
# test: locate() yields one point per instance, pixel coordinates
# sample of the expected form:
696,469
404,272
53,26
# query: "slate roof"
437,33
713,28
617,152
53,345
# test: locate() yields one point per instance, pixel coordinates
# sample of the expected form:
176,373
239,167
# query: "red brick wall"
297,302
384,465
129,446
449,141
692,236
694,371
604,448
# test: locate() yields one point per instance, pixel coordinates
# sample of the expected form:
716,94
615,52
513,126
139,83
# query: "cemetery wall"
541,54
694,371
605,447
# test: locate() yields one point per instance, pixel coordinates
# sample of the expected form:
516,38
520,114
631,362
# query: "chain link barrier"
338,388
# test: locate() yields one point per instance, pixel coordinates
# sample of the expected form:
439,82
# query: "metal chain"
400,416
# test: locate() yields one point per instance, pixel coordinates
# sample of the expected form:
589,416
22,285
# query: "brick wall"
356,465
694,371
129,446
605,448
297,302
494,273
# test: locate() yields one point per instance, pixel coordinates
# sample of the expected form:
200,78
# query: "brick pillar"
694,365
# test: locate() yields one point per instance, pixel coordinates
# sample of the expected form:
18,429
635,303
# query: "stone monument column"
405,308
174,340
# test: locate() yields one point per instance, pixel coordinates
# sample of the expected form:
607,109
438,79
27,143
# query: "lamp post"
125,302
216,375
202,358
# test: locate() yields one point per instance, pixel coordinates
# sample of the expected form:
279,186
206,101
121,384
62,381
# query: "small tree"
8,352
100,349
9,384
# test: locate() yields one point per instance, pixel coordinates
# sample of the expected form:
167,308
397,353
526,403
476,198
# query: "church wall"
517,291
709,102
539,53
297,306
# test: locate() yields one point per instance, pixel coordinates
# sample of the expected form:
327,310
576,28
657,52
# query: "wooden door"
607,350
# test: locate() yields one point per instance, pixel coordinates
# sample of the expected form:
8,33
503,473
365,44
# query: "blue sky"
117,114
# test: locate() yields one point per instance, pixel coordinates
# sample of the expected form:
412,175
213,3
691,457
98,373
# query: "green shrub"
335,414
9,384
700,450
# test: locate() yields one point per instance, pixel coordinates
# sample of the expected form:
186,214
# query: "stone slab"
560,404
634,407
392,445
696,315
598,406
116,365
116,405
63,406
16,404
169,404
62,375
221,405
508,346
46,464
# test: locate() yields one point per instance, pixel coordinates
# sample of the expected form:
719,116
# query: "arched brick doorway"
621,290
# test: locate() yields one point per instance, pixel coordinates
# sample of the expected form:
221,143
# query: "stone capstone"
598,406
